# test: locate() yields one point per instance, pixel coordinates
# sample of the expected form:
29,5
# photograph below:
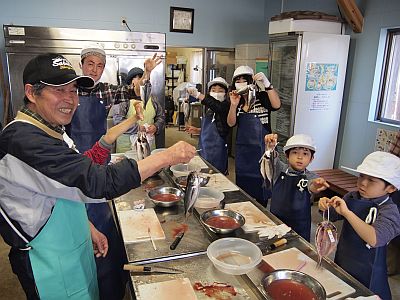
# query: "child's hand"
234,97
270,141
318,185
340,205
324,203
192,129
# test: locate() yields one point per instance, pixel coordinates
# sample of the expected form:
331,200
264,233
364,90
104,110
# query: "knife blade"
148,269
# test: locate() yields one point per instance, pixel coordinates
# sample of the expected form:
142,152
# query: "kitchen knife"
177,240
147,269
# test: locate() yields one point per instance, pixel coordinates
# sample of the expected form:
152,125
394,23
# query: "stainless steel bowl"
225,213
296,276
165,190
182,180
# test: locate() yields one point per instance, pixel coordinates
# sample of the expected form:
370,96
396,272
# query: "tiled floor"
10,287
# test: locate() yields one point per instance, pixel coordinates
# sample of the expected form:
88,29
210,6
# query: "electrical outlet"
123,22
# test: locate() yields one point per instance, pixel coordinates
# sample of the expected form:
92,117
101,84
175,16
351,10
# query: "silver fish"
326,238
267,165
146,93
142,146
192,191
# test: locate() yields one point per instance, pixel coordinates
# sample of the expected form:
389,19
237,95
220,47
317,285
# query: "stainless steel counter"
190,255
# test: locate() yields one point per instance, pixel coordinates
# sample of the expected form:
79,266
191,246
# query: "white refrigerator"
308,70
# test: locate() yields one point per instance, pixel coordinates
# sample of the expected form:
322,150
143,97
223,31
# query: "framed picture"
181,19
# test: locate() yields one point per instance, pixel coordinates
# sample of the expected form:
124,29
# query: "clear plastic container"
209,198
184,169
234,256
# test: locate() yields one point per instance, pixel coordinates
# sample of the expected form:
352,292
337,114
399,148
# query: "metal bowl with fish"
288,284
222,220
165,196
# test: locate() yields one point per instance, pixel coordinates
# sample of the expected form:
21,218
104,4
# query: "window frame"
387,57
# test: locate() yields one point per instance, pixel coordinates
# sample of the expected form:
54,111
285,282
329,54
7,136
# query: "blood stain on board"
216,290
179,228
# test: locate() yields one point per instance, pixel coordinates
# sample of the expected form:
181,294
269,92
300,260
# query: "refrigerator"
308,71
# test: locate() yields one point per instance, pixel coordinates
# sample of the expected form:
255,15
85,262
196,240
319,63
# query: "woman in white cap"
214,127
251,110
371,220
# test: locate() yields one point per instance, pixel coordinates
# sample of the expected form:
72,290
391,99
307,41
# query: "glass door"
218,62
283,75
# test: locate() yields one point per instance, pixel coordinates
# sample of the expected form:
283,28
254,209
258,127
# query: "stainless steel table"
190,255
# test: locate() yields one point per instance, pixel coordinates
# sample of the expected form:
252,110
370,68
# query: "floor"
11,289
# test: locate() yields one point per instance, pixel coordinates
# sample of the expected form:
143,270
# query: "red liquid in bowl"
286,289
223,222
166,197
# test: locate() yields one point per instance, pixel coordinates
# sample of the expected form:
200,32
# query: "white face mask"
219,96
240,85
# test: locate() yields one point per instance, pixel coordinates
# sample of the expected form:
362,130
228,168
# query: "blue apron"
213,147
290,202
87,127
249,149
89,122
367,265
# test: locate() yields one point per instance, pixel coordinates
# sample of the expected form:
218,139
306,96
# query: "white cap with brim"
381,165
300,141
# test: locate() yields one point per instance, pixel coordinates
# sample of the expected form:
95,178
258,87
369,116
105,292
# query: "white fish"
192,191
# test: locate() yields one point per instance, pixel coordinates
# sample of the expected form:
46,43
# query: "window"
388,109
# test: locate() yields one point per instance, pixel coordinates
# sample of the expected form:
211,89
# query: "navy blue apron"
213,147
87,127
367,265
249,149
290,202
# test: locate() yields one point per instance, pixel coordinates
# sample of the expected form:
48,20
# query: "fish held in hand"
142,146
326,238
192,191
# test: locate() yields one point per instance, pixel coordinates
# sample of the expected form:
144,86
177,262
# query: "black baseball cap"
53,69
132,74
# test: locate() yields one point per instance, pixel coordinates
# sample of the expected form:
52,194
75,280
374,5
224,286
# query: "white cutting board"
292,258
135,224
255,218
219,182
178,289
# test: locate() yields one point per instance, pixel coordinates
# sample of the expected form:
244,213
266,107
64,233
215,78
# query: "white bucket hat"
300,140
382,165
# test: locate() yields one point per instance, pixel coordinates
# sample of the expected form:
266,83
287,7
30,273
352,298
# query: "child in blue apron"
292,183
371,220
214,127
251,112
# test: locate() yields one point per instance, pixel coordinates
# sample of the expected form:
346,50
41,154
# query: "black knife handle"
176,241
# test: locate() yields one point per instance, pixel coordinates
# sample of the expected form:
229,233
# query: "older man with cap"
87,126
153,114
45,184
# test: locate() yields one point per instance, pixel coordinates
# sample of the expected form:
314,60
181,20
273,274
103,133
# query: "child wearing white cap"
371,220
213,144
292,184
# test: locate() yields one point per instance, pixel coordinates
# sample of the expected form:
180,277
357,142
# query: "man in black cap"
45,185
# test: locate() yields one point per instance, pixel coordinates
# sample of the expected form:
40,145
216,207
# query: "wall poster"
321,77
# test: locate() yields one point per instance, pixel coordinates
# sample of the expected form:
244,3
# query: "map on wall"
321,77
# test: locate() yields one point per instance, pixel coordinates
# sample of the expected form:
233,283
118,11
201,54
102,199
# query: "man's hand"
99,241
181,152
